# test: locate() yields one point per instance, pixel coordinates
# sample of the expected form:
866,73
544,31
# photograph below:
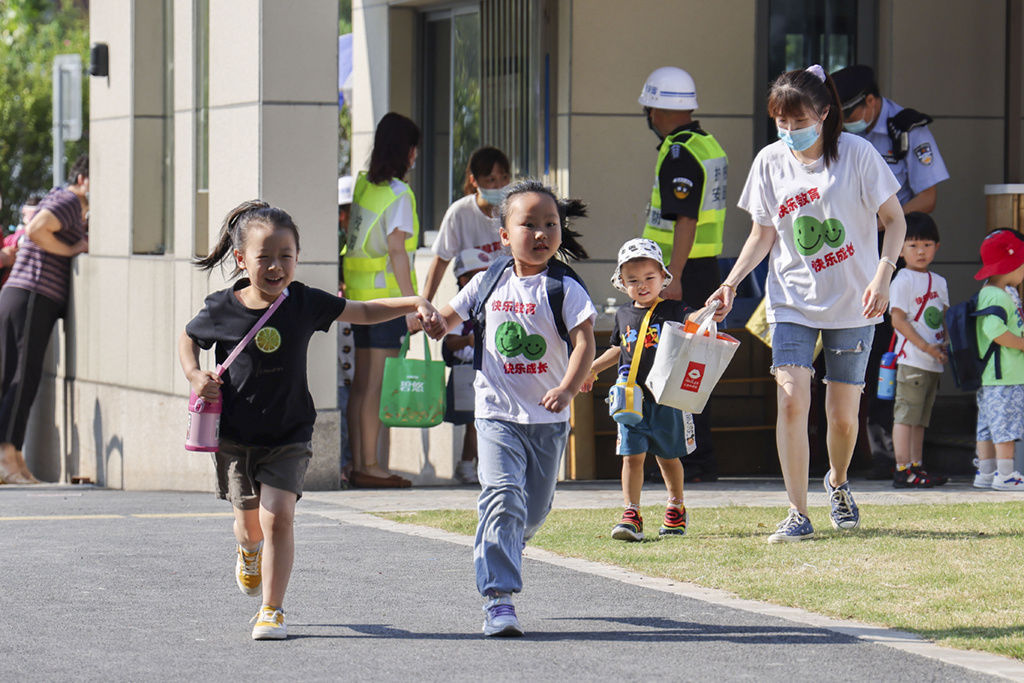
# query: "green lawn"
953,574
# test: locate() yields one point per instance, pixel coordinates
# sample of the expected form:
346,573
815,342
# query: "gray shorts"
242,469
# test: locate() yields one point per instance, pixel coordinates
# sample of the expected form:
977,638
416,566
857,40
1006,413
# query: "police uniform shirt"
681,180
921,168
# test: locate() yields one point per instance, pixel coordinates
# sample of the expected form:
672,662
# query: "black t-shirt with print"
266,396
681,179
628,320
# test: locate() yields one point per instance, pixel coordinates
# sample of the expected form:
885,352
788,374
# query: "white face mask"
494,196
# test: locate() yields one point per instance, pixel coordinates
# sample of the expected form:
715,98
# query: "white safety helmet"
669,88
639,248
346,183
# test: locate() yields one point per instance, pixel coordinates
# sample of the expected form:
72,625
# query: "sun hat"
469,260
637,249
1002,251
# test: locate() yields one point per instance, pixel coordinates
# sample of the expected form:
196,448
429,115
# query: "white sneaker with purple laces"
500,618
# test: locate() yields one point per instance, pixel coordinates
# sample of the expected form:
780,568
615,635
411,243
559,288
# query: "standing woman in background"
34,296
382,236
472,222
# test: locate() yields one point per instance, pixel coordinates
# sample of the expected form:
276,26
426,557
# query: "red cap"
1002,251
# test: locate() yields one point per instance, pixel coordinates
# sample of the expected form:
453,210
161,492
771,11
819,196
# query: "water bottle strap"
638,347
252,333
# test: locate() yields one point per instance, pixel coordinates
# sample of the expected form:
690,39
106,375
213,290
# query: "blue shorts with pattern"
660,432
1001,413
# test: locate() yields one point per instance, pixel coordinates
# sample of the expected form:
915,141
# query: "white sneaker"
465,472
1011,482
981,480
500,618
269,624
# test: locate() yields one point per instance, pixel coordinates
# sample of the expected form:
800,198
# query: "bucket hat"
637,249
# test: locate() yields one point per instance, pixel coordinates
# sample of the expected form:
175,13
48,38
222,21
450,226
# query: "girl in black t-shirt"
268,415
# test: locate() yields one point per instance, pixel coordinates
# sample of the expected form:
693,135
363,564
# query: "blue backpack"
557,271
965,358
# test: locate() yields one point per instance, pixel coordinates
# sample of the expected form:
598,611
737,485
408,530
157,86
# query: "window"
798,33
451,105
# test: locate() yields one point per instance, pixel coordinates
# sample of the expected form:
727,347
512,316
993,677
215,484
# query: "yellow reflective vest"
711,217
368,274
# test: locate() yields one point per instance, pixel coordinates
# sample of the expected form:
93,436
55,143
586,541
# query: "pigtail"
571,247
231,236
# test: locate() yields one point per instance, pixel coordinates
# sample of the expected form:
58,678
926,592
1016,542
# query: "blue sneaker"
844,514
796,527
500,618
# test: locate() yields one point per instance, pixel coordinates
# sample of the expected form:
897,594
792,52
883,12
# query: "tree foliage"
32,32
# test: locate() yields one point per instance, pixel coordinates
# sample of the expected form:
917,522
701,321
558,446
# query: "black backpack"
557,272
965,358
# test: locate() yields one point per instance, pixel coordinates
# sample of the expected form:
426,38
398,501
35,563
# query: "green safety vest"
368,275
711,218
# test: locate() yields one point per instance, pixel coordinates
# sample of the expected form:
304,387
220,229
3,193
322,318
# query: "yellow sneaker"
247,570
269,624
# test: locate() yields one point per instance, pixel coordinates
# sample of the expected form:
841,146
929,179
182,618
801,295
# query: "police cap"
853,84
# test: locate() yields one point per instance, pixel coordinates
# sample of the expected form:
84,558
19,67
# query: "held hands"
428,319
556,400
205,384
588,383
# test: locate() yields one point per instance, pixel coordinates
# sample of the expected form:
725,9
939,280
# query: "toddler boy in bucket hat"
664,431
1001,396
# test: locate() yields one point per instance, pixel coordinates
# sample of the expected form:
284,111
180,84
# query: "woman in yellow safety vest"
383,234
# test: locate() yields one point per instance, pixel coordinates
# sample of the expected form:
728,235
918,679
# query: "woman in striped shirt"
33,298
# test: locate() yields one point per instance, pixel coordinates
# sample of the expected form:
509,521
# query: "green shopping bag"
412,393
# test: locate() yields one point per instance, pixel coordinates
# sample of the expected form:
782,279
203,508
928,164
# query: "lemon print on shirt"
268,340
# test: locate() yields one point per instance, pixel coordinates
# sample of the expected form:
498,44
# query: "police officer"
902,137
686,215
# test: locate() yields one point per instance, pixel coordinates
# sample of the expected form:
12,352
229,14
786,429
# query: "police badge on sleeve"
923,152
681,187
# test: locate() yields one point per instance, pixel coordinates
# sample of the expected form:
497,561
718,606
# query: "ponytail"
236,226
811,88
567,209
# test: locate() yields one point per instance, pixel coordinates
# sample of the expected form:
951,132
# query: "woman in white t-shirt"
472,222
814,196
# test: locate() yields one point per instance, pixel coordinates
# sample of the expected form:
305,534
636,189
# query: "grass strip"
953,573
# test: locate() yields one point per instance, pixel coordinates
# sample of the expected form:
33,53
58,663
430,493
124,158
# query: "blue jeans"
846,350
518,469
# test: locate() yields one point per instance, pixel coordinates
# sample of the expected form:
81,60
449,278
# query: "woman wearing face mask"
813,196
472,221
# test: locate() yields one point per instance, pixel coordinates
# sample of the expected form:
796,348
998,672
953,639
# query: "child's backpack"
965,359
557,271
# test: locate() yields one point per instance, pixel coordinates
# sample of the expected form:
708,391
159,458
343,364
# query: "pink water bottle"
203,424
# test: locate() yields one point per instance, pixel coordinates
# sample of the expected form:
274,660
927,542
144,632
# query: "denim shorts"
385,335
846,350
661,432
1000,417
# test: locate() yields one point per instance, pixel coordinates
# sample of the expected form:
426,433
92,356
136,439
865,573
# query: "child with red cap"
1001,396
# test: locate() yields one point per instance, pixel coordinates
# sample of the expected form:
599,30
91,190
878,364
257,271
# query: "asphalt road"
110,585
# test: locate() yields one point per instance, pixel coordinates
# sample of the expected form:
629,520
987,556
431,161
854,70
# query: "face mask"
855,127
651,125
800,139
495,196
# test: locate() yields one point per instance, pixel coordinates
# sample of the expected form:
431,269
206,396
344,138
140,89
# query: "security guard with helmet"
902,137
686,214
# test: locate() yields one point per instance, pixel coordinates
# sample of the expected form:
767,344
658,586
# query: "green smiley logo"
835,233
933,317
508,339
534,347
808,234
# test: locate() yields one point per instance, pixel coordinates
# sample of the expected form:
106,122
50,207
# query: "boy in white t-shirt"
918,300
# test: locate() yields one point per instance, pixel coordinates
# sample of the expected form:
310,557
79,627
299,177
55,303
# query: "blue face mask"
495,196
855,127
800,139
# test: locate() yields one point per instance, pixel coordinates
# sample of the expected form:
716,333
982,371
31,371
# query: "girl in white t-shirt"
814,196
471,222
526,381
